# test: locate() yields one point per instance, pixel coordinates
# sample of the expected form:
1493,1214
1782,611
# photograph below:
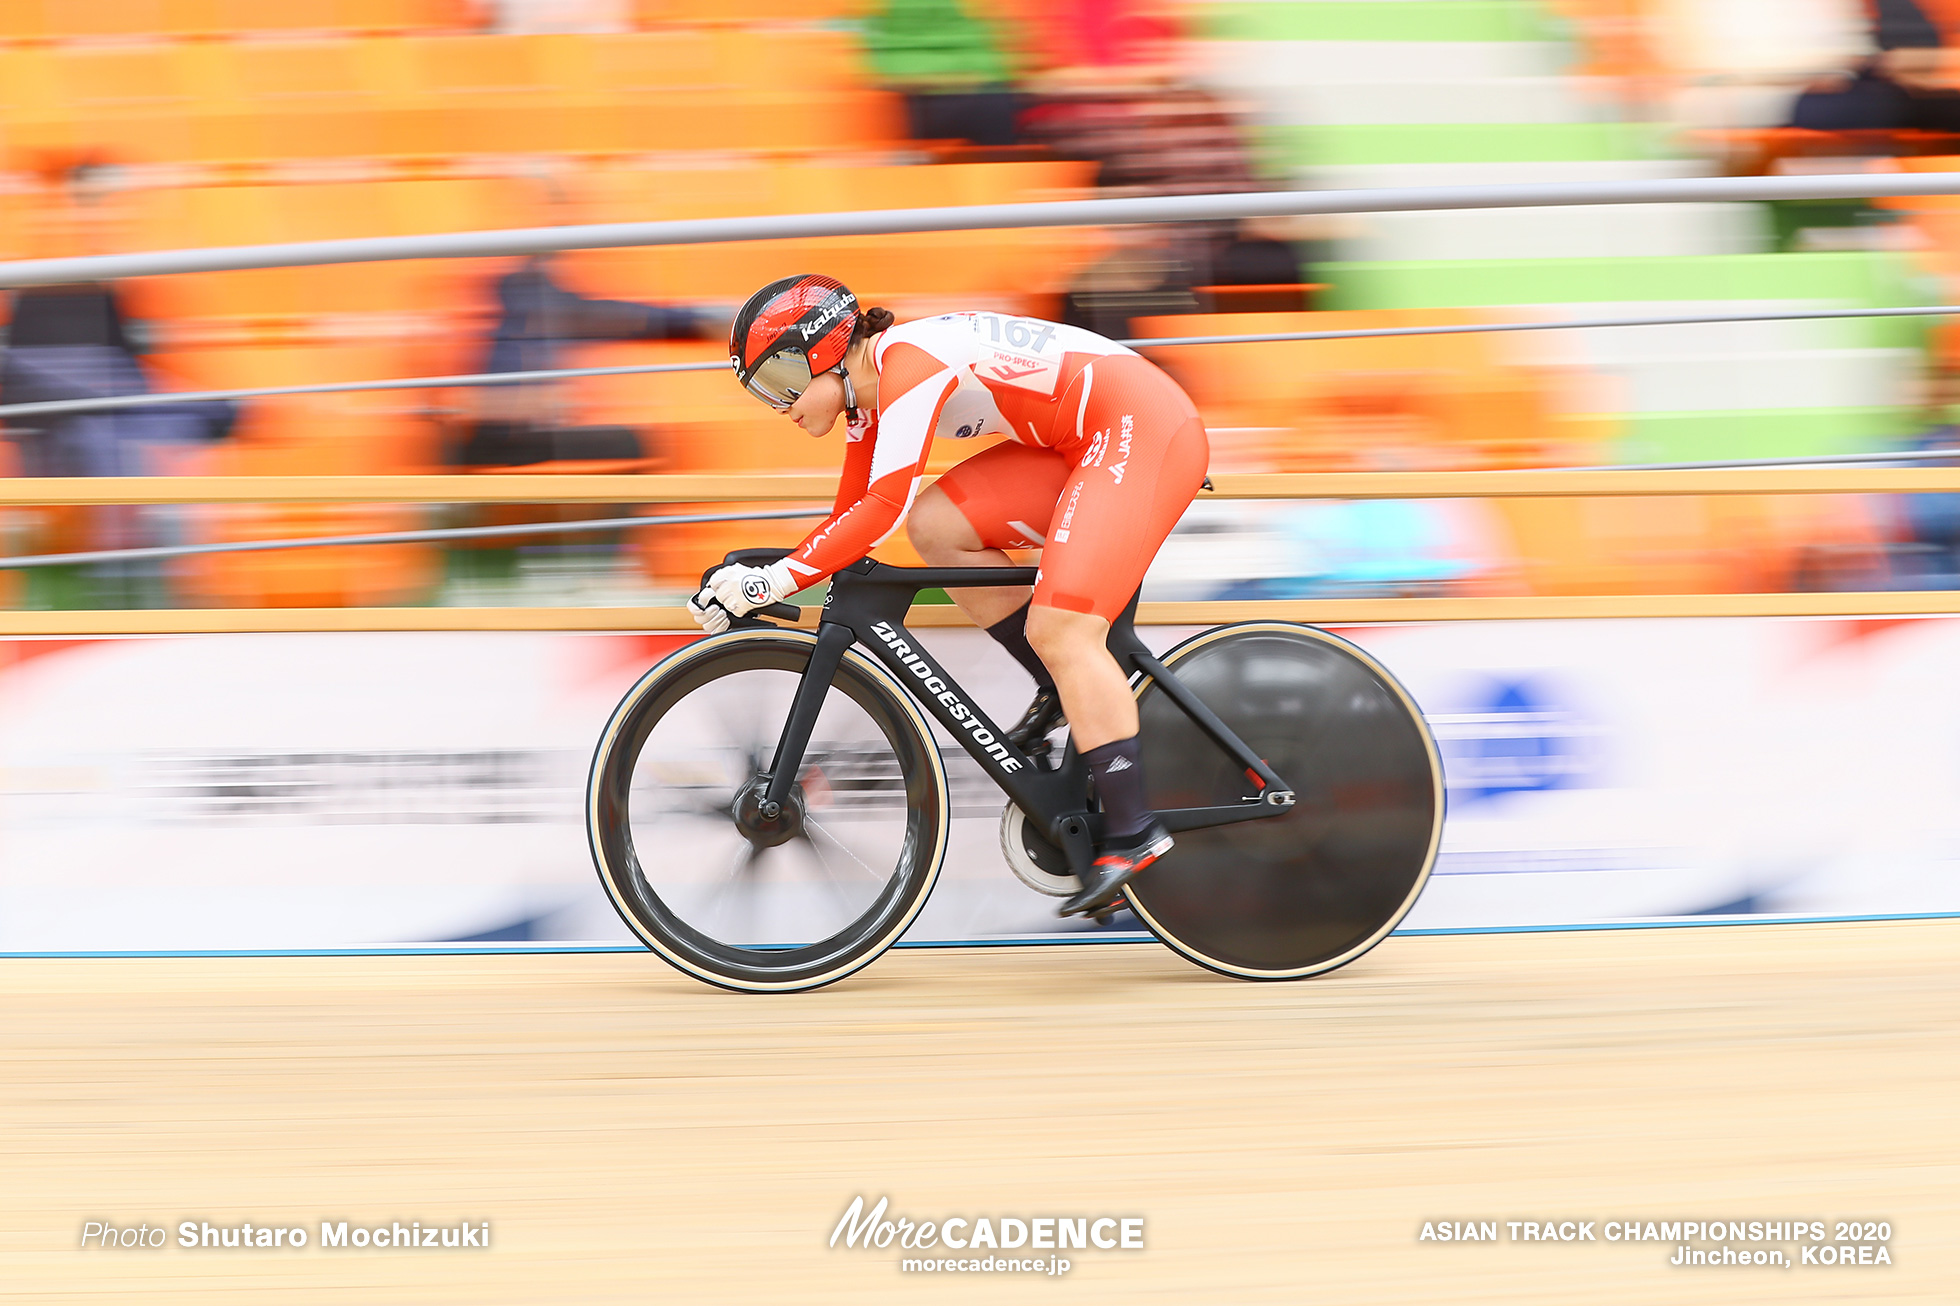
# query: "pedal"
1103,915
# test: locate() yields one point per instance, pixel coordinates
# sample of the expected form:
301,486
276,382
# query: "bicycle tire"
654,910
1301,894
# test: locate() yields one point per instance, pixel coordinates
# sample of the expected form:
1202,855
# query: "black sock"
1011,633
1118,770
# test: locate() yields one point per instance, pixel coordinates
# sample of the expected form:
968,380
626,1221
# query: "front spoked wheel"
1299,894
673,809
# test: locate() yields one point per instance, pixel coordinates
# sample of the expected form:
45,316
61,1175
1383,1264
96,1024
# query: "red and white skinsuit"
1107,452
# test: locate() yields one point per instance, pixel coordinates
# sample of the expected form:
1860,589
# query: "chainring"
1035,862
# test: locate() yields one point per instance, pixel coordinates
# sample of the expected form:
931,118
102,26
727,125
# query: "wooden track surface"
634,1136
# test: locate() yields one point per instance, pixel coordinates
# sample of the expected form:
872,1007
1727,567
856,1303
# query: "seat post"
1123,640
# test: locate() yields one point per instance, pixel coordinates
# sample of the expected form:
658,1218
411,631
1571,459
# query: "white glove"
744,589
707,614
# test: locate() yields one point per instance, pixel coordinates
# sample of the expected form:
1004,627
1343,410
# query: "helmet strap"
850,394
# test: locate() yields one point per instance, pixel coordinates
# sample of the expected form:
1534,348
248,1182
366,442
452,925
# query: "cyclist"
1105,454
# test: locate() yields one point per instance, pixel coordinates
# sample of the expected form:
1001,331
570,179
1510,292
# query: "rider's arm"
891,466
855,479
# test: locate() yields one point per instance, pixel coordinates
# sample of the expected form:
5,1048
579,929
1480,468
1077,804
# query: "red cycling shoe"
1116,866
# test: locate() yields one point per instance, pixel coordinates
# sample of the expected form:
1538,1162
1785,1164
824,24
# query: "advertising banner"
346,790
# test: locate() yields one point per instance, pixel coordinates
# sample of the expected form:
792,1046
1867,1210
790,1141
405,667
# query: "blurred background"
131,125
1593,766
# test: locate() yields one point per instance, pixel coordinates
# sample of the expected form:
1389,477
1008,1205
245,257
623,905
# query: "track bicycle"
768,808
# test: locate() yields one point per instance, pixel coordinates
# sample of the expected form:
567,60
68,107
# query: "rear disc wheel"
1298,894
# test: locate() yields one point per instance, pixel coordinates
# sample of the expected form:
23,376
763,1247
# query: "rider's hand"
707,613
744,589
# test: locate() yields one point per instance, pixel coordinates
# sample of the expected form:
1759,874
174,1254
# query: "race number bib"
1018,351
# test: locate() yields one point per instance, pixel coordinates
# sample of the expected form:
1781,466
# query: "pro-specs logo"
935,688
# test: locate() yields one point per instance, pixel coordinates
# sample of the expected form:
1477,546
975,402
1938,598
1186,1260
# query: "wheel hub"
763,829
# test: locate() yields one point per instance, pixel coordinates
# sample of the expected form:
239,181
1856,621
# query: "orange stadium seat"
304,98
475,94
317,441
775,57
245,215
26,85
251,16
129,101
641,62
192,217
467,204
1618,39
656,13
15,210
1010,263
22,20
769,121
28,19
64,18
1730,544
240,367
414,96
1363,404
1454,402
379,432
1935,217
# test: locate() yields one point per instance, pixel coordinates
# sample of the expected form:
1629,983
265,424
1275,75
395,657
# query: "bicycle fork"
832,641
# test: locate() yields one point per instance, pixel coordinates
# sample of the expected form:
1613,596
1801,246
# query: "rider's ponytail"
870,322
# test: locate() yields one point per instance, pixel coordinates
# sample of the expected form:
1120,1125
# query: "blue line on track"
1005,941
1683,923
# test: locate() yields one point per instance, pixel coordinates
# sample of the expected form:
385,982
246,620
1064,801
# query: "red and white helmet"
790,332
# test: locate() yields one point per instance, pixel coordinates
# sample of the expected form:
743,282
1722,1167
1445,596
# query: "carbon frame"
866,605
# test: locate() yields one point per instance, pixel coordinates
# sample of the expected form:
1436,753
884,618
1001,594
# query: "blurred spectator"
1109,85
77,342
1157,139
954,75
538,317
71,342
534,424
1929,556
1099,44
1899,87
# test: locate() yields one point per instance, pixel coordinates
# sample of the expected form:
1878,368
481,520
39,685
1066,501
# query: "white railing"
1807,476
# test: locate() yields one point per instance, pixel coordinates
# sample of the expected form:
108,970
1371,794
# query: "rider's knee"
1059,633
937,529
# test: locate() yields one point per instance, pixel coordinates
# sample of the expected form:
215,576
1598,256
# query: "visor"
779,379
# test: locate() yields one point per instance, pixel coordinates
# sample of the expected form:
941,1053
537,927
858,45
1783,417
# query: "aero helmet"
790,332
